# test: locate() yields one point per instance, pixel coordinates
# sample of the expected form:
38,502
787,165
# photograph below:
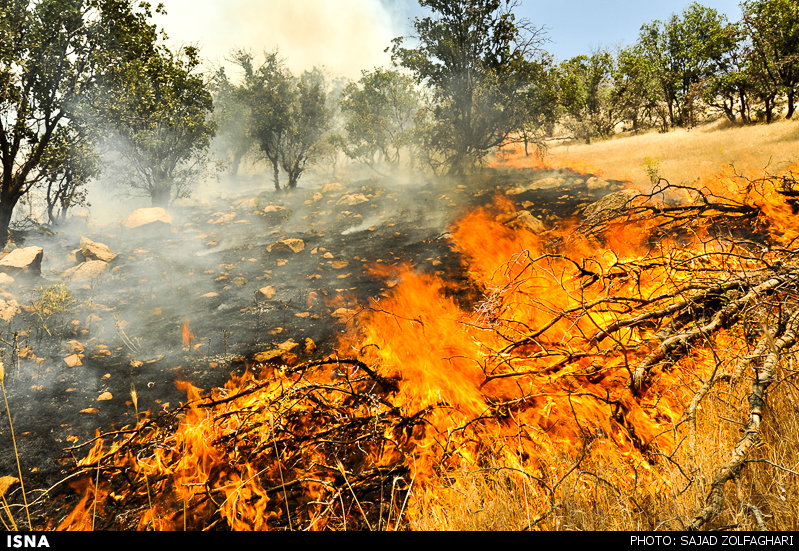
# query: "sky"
348,36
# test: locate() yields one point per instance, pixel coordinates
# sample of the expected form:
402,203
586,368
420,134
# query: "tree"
233,140
684,52
636,91
68,165
773,29
160,108
538,105
51,55
586,86
288,116
267,92
475,58
309,118
379,113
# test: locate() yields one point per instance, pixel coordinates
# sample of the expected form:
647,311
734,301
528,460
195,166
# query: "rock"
267,291
8,309
91,250
27,260
287,245
352,199
73,360
522,220
152,217
6,279
86,270
332,187
72,347
610,206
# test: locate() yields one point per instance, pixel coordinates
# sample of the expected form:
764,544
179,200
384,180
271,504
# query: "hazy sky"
346,36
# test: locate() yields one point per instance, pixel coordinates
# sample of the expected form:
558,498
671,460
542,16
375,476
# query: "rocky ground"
211,285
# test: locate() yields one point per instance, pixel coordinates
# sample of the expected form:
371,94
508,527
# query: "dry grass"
682,156
589,497
765,496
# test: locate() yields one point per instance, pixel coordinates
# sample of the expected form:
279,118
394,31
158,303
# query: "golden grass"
765,495
682,155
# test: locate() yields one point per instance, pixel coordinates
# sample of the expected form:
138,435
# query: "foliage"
379,111
51,55
476,60
586,95
52,305
288,116
773,28
159,107
68,165
233,142
684,52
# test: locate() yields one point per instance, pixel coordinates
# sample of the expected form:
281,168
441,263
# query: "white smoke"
344,36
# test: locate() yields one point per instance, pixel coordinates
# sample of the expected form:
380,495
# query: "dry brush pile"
633,369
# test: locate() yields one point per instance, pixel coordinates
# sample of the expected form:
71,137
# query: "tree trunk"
276,174
159,196
791,106
6,211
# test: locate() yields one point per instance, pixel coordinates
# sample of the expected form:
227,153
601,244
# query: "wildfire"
588,353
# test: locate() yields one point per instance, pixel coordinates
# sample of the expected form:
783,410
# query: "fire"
186,336
570,361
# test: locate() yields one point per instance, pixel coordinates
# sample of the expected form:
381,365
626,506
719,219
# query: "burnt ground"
203,275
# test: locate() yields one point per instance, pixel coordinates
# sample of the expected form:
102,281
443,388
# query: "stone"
86,270
352,199
27,260
610,206
147,217
287,245
332,187
522,220
8,309
91,250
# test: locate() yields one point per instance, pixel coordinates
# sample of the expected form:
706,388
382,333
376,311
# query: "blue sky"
347,36
576,27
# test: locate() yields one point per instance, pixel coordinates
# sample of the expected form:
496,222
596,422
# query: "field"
682,156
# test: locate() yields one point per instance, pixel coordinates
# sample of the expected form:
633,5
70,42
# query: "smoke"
344,36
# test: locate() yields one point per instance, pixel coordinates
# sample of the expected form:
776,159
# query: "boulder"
522,220
610,206
151,218
8,309
91,250
86,270
27,260
352,199
287,245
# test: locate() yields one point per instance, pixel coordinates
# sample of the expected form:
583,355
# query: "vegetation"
158,110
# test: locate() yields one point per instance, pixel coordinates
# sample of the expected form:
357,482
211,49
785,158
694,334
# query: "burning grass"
620,373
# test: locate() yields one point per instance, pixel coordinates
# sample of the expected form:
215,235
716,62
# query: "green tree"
475,58
685,52
773,30
586,95
288,116
309,118
636,91
379,113
67,166
51,55
538,106
233,141
267,90
160,108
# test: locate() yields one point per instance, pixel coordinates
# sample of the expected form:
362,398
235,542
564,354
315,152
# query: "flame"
186,335
530,377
